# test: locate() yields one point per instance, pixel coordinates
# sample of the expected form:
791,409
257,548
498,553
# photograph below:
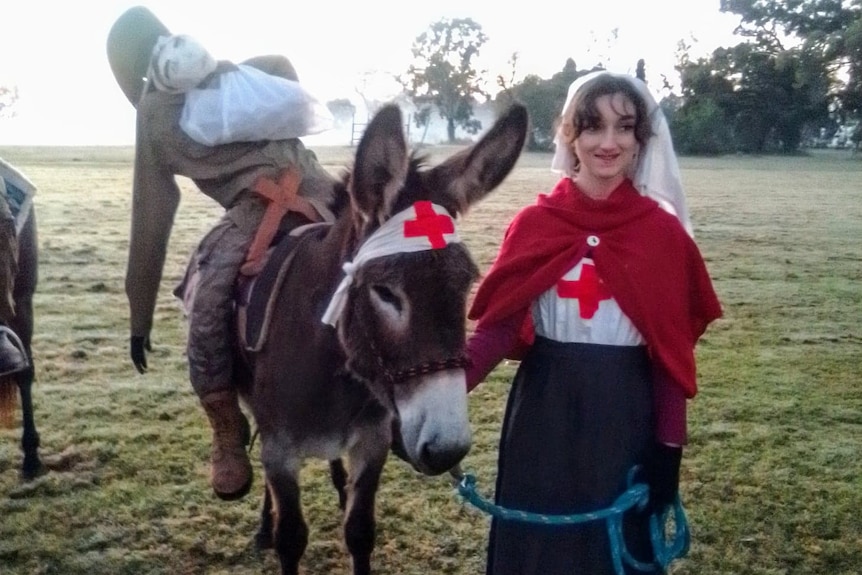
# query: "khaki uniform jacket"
224,173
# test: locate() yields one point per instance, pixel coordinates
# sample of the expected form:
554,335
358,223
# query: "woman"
601,291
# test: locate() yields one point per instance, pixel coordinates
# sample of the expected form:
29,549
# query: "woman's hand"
662,474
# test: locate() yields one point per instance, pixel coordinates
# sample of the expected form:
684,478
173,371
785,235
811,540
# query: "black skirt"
579,417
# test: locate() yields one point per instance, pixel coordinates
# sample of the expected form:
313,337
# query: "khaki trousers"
211,319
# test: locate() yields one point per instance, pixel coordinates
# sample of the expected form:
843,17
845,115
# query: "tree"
505,83
851,96
700,128
444,77
775,94
544,99
341,107
753,97
698,118
640,71
830,32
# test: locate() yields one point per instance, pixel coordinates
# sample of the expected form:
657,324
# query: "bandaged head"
655,173
179,63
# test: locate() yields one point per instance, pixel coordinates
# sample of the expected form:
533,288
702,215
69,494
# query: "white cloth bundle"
248,105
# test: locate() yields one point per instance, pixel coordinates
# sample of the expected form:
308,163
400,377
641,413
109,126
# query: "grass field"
772,477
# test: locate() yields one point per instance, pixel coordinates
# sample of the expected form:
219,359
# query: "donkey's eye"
386,295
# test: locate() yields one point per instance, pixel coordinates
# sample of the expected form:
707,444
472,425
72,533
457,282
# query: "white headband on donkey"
656,173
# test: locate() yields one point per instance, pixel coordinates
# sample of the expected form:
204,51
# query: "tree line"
795,79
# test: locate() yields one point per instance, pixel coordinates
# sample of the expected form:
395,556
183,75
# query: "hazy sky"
53,51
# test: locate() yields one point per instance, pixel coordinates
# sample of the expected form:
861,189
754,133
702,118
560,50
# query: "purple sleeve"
488,345
670,410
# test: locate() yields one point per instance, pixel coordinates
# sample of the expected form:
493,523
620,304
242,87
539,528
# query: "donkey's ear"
471,174
381,164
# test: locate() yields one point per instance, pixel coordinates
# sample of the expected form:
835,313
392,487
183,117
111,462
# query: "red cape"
652,267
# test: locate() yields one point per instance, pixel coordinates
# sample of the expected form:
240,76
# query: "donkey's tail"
8,401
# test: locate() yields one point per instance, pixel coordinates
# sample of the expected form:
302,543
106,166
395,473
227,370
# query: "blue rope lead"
665,550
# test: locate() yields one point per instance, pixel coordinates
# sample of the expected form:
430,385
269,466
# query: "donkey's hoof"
263,540
31,471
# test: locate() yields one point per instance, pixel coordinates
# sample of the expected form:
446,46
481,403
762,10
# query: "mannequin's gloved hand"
662,474
140,345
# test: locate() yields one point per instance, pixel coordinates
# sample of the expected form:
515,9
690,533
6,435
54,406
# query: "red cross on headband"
429,223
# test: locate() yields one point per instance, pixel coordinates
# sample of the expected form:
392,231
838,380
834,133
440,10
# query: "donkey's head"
400,311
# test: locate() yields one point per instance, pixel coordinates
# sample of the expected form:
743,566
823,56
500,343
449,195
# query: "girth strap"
254,311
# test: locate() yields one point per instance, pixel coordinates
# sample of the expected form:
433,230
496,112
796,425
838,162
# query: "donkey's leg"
366,457
290,533
263,539
32,465
25,286
339,479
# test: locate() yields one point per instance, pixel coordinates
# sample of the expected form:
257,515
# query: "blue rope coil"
666,548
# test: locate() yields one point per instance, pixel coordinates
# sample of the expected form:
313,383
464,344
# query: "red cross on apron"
588,289
429,223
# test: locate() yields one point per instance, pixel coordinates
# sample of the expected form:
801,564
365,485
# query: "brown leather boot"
231,472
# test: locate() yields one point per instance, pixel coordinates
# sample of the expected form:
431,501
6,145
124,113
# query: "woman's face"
607,150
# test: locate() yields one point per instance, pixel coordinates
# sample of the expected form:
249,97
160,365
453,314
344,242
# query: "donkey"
365,348
25,287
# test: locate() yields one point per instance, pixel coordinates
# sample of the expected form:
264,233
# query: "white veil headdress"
656,172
